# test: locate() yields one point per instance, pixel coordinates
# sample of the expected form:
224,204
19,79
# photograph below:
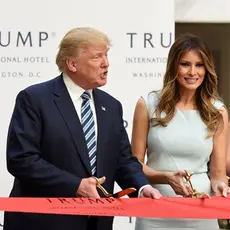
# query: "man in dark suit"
65,131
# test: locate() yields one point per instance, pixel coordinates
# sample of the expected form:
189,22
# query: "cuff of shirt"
140,190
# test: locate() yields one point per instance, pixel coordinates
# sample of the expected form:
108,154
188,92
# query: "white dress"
179,146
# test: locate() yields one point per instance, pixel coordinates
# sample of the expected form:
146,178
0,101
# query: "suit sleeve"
24,159
129,171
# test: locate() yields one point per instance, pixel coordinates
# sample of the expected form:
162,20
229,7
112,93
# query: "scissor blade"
123,192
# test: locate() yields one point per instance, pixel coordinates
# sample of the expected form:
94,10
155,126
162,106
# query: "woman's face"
191,70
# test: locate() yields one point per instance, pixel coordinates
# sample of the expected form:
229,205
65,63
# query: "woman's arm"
228,151
139,142
139,146
219,155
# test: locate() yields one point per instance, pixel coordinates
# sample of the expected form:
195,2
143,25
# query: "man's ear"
71,65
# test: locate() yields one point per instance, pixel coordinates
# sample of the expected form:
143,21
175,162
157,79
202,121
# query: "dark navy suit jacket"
47,153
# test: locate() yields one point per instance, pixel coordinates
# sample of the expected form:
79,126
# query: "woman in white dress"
183,127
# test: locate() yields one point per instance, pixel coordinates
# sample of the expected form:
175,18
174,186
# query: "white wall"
202,11
146,20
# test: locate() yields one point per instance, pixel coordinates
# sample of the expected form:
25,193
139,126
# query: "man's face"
92,67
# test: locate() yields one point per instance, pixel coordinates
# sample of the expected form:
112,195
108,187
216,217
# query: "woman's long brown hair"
206,93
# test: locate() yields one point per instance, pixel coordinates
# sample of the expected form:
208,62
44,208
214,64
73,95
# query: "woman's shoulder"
151,101
152,97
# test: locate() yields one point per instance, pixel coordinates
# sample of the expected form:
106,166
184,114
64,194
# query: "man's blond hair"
74,42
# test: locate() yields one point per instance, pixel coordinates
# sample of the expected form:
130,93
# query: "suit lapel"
69,114
102,124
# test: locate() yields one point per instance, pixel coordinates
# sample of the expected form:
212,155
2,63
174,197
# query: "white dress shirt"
75,92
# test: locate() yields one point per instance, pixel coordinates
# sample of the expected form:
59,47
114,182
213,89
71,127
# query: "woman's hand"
176,181
220,188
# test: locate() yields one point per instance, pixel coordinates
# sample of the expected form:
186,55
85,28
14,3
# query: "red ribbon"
165,207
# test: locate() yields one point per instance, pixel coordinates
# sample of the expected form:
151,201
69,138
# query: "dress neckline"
187,110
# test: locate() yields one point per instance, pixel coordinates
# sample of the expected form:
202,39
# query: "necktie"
88,126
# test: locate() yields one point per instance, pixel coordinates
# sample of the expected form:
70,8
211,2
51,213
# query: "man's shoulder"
107,96
41,88
38,92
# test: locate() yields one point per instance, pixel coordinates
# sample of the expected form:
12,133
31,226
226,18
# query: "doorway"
217,37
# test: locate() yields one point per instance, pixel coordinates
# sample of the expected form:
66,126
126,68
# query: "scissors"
194,192
115,195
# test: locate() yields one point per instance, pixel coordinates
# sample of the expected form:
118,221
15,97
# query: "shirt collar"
74,90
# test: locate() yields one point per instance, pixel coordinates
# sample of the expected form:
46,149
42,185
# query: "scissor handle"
194,192
188,179
102,188
104,191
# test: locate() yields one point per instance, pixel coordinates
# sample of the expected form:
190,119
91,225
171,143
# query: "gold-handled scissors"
115,195
194,192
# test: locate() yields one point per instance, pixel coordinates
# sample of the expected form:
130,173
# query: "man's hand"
88,187
150,192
